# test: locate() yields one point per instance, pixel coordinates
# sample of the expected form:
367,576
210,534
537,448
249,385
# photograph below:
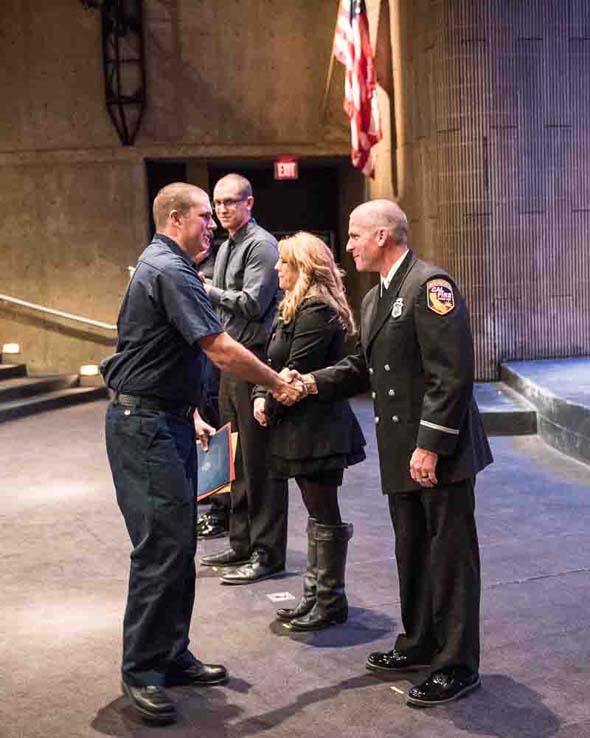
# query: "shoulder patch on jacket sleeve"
439,296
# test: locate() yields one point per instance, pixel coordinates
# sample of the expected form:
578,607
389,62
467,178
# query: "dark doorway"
283,207
318,201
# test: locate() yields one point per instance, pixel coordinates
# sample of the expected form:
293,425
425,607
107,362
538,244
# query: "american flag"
352,47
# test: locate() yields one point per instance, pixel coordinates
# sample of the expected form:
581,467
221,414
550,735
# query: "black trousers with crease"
437,555
259,503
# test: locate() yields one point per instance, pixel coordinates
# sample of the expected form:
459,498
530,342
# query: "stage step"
21,387
559,390
12,370
49,401
504,412
21,395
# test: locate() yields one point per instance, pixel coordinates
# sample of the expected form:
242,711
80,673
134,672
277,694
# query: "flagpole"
330,69
327,88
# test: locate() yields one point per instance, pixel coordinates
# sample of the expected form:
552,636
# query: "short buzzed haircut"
178,196
388,214
243,185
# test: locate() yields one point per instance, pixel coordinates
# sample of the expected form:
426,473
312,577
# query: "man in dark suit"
415,354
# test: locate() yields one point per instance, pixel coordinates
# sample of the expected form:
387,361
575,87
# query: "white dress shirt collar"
386,281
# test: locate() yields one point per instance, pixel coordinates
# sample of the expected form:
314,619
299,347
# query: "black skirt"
281,468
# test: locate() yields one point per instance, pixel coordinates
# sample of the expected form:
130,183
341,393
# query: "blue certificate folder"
216,465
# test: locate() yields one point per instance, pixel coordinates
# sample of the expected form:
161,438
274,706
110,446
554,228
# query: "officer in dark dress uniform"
165,323
415,354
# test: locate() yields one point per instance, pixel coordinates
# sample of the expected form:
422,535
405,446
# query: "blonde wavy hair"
318,276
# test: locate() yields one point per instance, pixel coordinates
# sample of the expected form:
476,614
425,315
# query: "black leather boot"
307,599
331,606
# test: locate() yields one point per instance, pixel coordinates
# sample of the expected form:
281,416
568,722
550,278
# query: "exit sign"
286,169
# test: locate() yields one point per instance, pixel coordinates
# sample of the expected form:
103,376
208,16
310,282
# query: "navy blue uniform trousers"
153,460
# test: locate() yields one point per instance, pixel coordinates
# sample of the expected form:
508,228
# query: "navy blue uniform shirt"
164,314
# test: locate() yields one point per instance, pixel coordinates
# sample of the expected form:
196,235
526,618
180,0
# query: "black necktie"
223,265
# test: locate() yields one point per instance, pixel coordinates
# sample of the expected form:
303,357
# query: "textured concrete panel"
222,78
51,77
71,255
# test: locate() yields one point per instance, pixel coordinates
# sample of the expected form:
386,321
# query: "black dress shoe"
394,661
225,558
443,686
209,526
253,571
151,703
199,674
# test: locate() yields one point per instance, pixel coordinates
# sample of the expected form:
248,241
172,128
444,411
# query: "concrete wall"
69,231
489,153
225,79
493,155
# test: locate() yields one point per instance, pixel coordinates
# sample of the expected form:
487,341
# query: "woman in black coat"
313,441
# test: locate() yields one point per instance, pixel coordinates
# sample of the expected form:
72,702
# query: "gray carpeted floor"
64,562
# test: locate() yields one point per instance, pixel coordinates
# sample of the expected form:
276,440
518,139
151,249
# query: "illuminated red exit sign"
286,169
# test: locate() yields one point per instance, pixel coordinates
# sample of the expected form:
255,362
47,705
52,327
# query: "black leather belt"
139,402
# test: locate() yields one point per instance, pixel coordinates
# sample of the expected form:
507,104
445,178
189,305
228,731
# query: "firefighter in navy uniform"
415,355
165,328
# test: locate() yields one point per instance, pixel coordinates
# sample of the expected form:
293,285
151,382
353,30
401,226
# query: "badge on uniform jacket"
439,296
397,308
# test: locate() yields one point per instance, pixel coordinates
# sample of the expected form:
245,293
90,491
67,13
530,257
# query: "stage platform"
550,397
504,411
65,557
559,392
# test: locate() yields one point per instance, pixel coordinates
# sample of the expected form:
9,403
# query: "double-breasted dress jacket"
415,355
316,434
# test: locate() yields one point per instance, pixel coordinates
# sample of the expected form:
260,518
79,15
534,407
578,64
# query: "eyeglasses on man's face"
228,202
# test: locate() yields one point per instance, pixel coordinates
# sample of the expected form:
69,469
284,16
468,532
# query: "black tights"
321,501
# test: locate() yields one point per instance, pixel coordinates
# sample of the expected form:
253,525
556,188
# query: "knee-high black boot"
307,599
331,605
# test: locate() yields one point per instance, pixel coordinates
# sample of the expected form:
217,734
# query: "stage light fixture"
89,370
11,348
90,376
